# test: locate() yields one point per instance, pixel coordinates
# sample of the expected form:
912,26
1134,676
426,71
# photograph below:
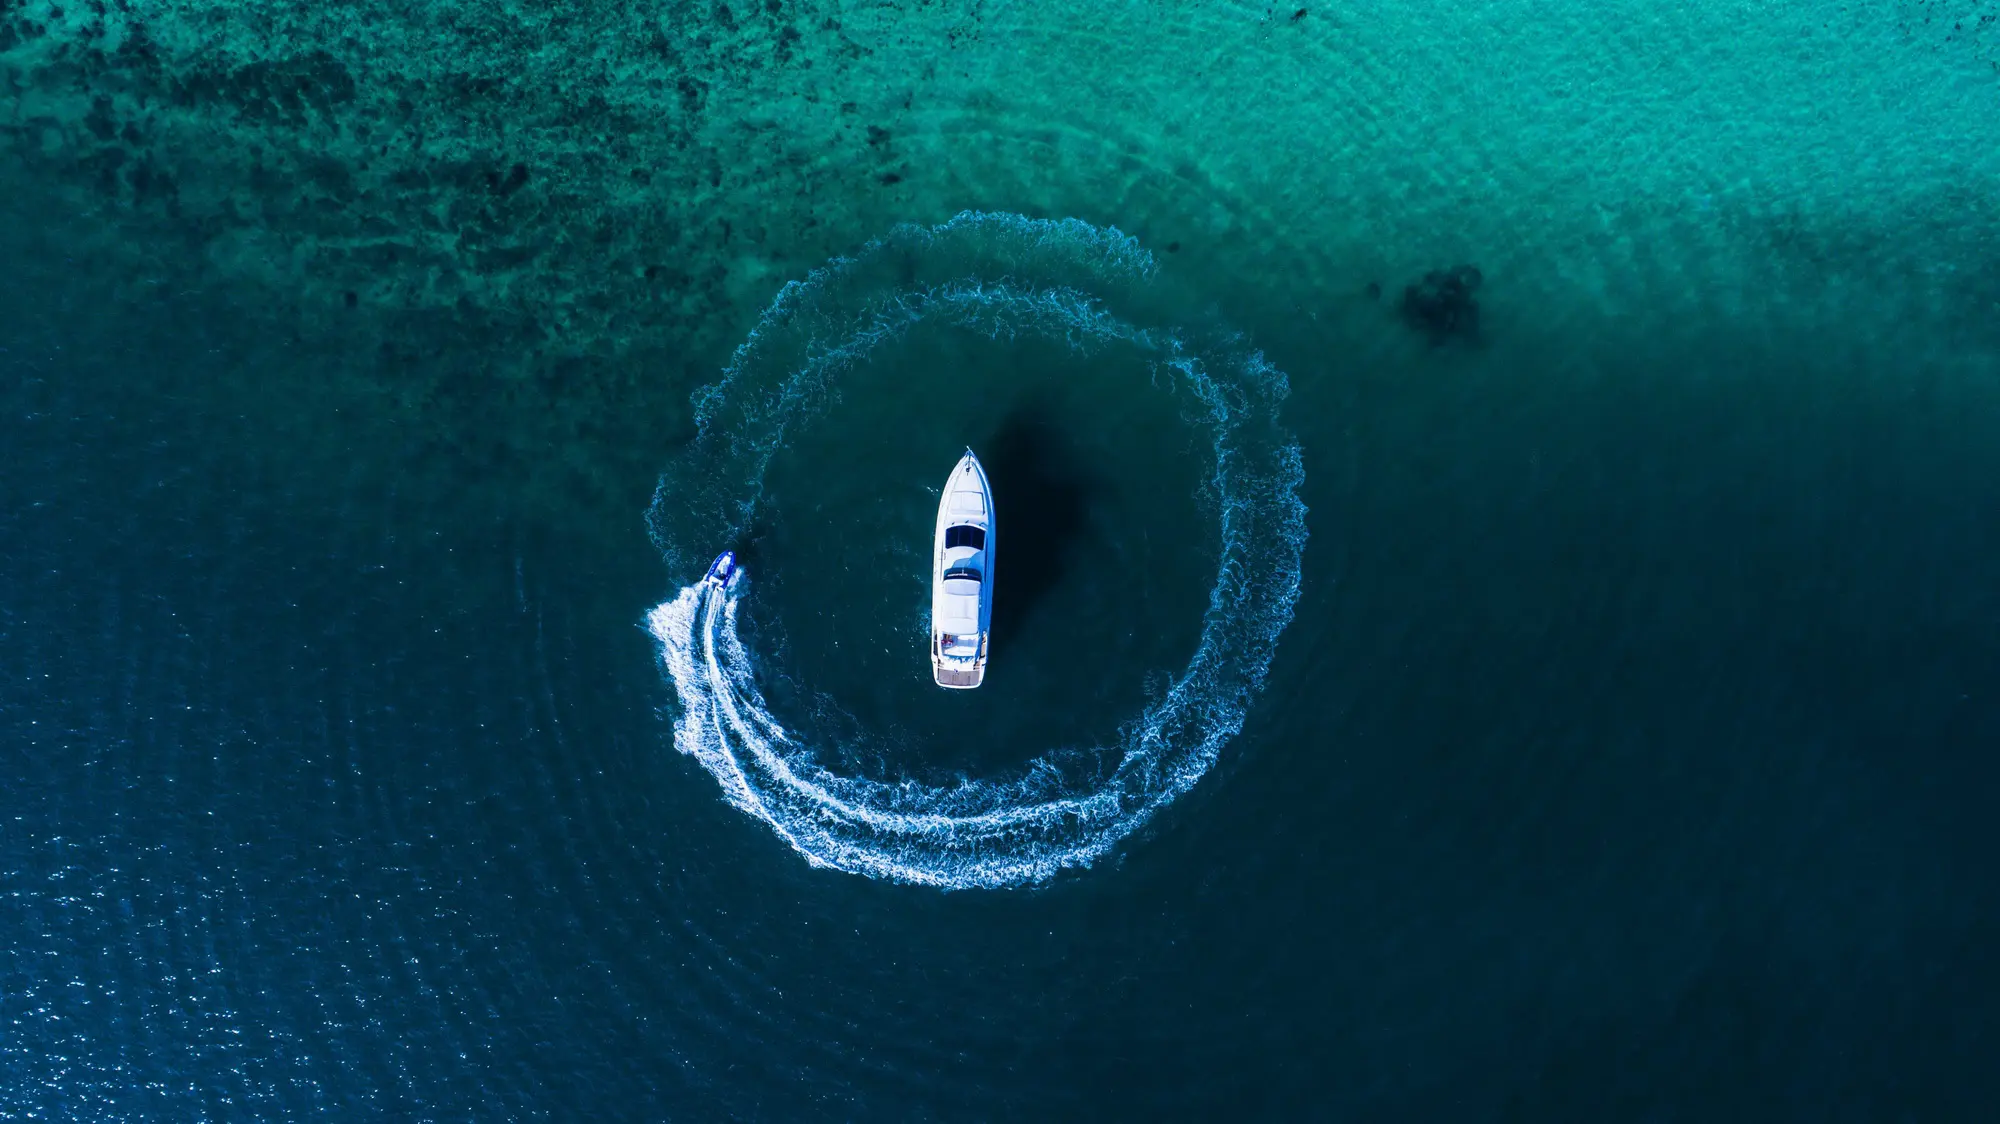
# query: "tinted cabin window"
965,572
964,536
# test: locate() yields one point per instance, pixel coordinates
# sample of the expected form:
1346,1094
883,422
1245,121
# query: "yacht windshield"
973,537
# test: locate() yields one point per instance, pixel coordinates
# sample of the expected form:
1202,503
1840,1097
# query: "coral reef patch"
1442,305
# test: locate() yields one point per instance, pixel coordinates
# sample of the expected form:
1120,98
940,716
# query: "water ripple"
1004,276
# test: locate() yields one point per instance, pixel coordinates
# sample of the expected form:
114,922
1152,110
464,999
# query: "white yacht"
962,577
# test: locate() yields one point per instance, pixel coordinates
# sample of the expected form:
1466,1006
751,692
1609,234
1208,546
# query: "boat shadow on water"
1040,492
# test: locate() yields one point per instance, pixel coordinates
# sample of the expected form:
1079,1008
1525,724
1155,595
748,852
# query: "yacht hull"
962,577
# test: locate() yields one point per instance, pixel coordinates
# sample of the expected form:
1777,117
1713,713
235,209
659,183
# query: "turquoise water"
1584,717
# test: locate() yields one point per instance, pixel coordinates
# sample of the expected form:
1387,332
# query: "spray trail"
1003,276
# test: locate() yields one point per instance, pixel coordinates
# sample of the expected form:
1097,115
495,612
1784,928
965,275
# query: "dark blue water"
1629,754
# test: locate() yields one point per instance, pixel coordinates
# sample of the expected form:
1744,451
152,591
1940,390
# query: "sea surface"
1496,605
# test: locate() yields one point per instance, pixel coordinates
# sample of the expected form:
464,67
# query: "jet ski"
721,571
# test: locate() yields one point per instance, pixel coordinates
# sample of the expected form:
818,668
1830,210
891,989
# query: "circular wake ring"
1004,276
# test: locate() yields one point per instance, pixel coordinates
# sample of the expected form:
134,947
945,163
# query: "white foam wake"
1004,276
